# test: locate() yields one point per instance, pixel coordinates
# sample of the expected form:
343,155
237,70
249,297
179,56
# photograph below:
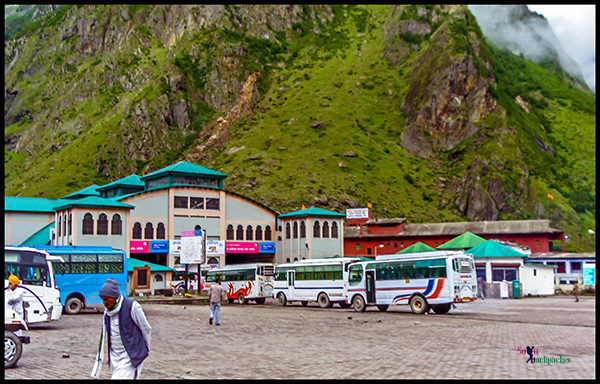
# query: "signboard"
215,247
589,274
267,247
175,247
138,246
357,213
191,248
242,247
503,290
159,246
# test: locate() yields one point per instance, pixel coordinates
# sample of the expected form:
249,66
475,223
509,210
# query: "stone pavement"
479,340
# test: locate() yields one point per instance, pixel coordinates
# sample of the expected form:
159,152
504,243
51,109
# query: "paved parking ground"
480,340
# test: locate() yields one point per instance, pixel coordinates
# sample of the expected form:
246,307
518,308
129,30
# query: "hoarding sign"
159,246
175,247
267,247
138,246
191,248
589,274
215,247
357,213
242,247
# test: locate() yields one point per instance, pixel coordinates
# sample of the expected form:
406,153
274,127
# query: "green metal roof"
129,181
41,237
92,202
312,211
88,191
492,248
131,263
31,204
417,247
464,241
184,168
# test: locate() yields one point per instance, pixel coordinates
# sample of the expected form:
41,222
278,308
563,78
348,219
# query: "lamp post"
379,246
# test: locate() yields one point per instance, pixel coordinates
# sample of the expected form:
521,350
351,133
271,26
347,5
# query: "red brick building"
369,237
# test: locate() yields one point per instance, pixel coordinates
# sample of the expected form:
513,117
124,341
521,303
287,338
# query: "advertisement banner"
589,274
215,247
267,247
242,247
159,246
175,247
138,246
191,249
357,213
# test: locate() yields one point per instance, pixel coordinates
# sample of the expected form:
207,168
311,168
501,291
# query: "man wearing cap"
14,298
127,332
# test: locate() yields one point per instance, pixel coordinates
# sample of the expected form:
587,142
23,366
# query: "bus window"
355,274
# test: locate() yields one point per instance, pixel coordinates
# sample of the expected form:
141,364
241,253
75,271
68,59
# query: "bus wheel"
281,299
419,305
383,308
440,309
73,306
304,303
324,301
260,300
359,303
242,299
12,349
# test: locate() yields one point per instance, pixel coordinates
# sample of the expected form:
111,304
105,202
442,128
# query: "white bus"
320,280
244,282
425,280
33,267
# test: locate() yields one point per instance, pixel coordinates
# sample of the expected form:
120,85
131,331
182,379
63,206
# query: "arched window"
239,234
59,224
287,260
102,224
317,229
160,231
157,278
295,229
302,229
268,233
334,230
137,231
230,232
70,224
149,231
116,227
249,233
88,224
287,231
197,227
258,232
325,230
65,224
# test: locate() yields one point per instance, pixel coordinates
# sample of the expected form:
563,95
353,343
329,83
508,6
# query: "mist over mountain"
410,108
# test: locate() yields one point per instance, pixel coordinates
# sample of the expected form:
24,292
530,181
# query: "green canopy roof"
312,211
417,247
464,241
131,263
492,248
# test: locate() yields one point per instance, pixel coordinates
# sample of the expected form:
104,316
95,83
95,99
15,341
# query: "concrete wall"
537,280
20,226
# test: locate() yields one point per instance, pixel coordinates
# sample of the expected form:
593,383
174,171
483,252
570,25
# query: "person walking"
576,291
14,298
126,331
481,288
216,296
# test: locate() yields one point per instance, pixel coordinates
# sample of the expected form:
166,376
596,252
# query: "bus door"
370,285
291,280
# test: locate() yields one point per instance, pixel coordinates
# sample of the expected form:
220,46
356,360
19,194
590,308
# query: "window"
249,233
102,224
65,224
259,235
197,202
230,232
70,224
160,231
358,247
334,230
157,278
239,234
326,230
142,277
88,224
287,231
508,274
268,233
137,231
212,203
317,229
560,266
59,223
197,228
302,229
149,231
181,202
575,266
116,225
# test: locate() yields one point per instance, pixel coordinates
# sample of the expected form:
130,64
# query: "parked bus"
178,277
41,299
426,280
84,271
320,280
244,282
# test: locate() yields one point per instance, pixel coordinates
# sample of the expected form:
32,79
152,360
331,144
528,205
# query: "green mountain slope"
404,107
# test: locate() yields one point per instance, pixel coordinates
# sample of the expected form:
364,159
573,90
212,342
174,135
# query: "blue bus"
84,271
